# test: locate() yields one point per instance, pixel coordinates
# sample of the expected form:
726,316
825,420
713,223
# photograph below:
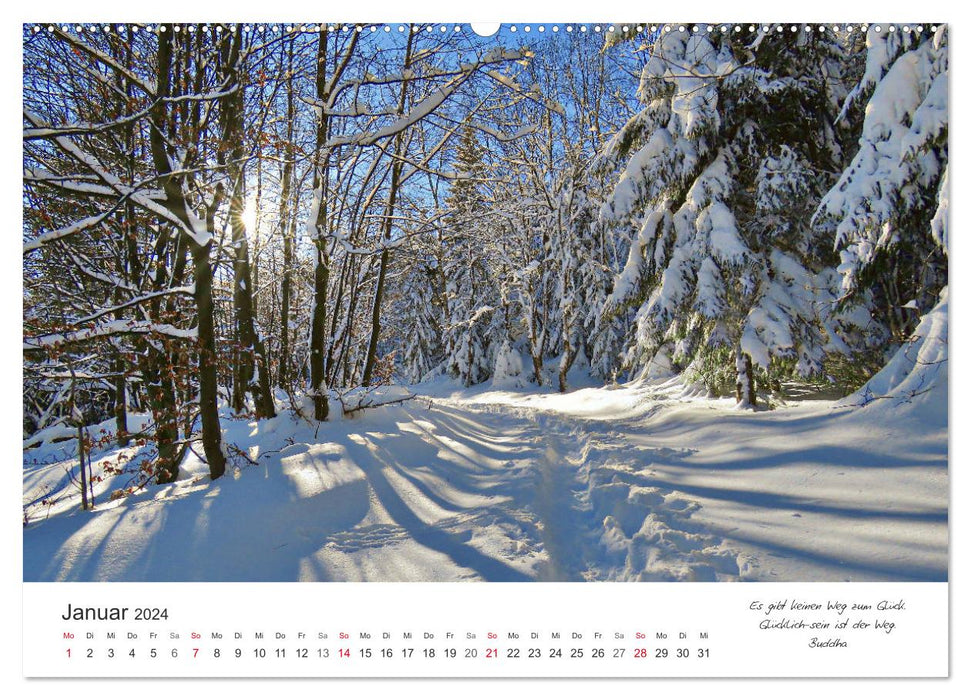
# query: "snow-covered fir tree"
583,280
888,209
888,213
470,291
725,163
422,318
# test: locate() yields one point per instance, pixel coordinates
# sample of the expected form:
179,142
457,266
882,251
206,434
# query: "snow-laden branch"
187,290
87,128
122,190
85,269
74,183
508,82
421,110
65,231
503,137
428,105
146,86
362,398
104,330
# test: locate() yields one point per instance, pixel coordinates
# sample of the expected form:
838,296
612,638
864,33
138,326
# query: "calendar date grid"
373,647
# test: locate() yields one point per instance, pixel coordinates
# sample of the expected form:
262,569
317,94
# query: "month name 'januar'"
75,613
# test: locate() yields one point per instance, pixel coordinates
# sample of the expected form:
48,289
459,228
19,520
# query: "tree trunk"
566,362
132,261
121,400
536,345
78,418
537,368
83,469
283,377
287,230
570,348
265,408
469,356
372,348
744,381
161,402
319,347
318,323
208,380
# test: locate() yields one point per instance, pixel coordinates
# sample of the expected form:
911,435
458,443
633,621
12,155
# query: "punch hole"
485,28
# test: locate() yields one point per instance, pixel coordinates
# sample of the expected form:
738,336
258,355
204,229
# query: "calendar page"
447,350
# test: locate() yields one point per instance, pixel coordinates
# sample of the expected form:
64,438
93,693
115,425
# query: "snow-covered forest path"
599,484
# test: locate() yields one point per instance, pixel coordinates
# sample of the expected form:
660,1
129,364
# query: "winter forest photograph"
405,302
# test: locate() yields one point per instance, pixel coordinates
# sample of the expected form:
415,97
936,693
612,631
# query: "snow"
917,373
692,64
725,243
627,283
509,369
710,301
51,433
628,187
939,222
634,482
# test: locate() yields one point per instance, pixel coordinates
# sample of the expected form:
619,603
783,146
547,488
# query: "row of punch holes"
488,30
